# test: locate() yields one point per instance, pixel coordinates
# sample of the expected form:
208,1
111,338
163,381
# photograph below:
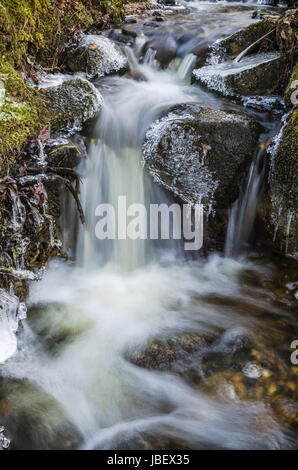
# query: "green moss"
236,43
34,27
21,115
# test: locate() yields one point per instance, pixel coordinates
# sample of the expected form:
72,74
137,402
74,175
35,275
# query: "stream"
76,381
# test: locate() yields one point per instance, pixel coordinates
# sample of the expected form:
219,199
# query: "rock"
201,154
72,103
173,354
279,209
231,46
269,103
258,74
97,56
65,153
165,47
167,2
287,34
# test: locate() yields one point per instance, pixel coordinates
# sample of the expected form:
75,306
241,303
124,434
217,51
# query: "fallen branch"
78,202
249,48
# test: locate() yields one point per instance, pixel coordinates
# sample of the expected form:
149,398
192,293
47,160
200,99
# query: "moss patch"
22,114
236,43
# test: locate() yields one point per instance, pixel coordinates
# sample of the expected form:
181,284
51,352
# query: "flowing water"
76,381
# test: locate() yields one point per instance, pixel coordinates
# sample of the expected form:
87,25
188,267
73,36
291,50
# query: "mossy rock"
259,74
279,210
231,46
73,103
22,114
66,153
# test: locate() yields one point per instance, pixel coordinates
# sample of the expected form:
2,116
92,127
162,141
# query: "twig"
76,198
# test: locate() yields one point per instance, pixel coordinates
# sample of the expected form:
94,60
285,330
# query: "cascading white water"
114,166
244,210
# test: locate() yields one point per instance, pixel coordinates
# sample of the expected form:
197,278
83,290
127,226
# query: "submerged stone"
72,103
97,56
254,75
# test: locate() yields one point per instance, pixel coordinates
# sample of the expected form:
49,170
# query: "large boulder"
279,209
72,103
97,56
202,155
254,75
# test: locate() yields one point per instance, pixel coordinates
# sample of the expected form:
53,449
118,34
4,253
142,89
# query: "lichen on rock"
73,102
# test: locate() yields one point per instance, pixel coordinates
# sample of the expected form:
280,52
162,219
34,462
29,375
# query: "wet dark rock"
279,209
165,47
201,154
167,2
120,38
96,56
66,153
72,103
259,74
130,20
129,32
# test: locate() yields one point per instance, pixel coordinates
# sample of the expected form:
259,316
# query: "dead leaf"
45,133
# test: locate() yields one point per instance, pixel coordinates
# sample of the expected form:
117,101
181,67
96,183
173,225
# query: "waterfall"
244,210
114,168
